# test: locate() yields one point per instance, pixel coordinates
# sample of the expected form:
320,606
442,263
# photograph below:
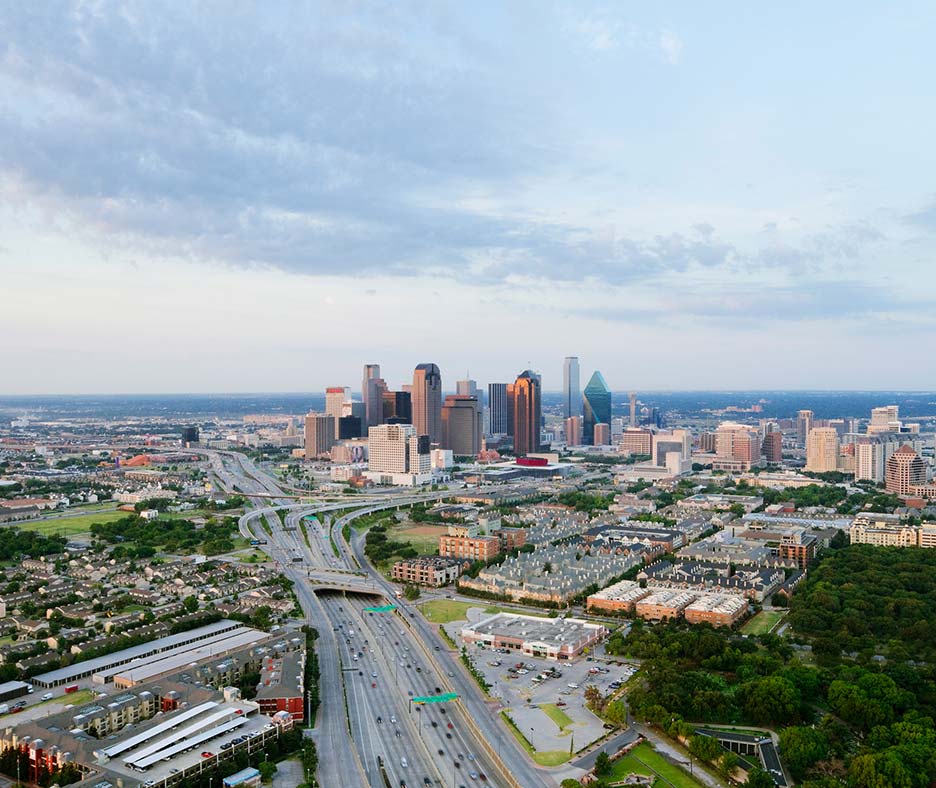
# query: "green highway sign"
443,698
384,609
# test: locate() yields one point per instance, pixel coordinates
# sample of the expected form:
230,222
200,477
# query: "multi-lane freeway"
366,701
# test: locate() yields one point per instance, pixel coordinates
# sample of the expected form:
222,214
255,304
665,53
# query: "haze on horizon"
243,197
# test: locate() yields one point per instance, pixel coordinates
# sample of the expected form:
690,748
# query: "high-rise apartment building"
632,396
372,388
571,388
772,446
804,423
397,455
527,413
461,425
427,401
573,431
905,471
397,407
596,406
737,447
319,435
498,406
822,449
873,451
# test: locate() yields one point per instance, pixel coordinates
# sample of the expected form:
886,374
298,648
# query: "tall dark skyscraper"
571,391
596,406
397,407
372,388
527,413
427,401
497,409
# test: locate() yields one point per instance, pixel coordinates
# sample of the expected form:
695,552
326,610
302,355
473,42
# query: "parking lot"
546,698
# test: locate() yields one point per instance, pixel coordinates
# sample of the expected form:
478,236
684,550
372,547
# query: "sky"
234,196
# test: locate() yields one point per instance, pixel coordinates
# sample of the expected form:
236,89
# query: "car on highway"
393,718
403,762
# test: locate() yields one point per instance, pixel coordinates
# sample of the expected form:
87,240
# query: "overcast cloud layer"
684,197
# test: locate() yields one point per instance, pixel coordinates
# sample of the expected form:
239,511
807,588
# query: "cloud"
206,133
925,218
604,30
821,301
671,46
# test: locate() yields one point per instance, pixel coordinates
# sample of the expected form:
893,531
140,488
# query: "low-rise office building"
560,639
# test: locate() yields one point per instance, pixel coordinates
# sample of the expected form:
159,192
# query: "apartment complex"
887,530
427,571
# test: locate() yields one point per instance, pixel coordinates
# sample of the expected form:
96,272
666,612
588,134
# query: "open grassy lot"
545,758
557,715
643,759
68,526
424,538
763,622
445,611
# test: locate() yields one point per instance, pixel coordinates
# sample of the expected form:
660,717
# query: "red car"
207,754
451,727
373,685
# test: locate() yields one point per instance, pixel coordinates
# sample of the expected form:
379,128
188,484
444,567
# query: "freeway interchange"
368,731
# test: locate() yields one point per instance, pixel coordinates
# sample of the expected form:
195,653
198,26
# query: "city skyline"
606,173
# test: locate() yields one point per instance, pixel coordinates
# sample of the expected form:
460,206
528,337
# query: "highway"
303,548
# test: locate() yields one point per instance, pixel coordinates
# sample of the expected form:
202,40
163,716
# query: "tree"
593,696
603,764
772,699
411,592
758,778
267,770
727,763
704,748
802,747
190,603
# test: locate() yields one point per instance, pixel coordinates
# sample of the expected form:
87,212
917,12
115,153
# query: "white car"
403,762
47,696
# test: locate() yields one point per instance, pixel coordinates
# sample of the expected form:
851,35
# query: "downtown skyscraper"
596,407
427,401
571,389
527,410
372,389
498,407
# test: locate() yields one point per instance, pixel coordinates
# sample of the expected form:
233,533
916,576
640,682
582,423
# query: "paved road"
475,704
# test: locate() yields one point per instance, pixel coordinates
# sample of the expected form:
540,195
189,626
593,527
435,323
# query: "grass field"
643,759
68,526
75,699
425,538
763,622
545,758
445,611
557,715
